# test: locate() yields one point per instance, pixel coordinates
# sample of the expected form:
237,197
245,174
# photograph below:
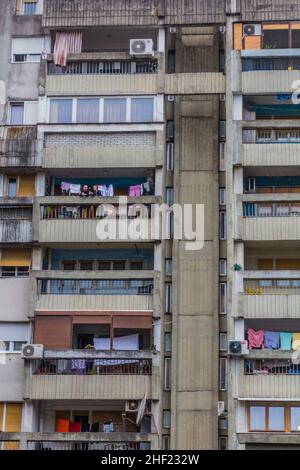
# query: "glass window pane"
17,114
295,418
29,8
61,111
115,110
257,418
4,345
87,110
276,418
18,345
142,109
12,187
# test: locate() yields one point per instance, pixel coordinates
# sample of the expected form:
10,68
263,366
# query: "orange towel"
62,425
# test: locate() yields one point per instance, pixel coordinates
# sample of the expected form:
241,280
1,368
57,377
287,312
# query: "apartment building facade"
123,343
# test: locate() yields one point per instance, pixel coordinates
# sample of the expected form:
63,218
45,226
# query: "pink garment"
256,339
66,43
135,190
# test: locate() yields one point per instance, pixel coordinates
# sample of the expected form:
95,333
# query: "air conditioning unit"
132,406
172,29
222,97
238,348
171,98
141,47
221,408
252,30
32,351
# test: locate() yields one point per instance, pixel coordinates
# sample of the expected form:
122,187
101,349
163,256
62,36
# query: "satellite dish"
141,410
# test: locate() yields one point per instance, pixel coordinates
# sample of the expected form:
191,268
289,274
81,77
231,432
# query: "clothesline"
261,339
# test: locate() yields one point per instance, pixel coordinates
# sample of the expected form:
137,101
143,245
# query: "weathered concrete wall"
12,375
14,295
6,10
195,314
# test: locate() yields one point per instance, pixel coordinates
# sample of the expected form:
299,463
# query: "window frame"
287,415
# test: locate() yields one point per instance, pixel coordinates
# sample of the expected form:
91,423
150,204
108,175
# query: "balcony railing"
15,213
271,209
95,287
271,136
270,64
92,211
271,367
272,286
77,441
104,68
93,367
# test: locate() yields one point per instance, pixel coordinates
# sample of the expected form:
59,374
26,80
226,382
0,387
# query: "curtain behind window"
17,115
142,109
61,111
115,110
87,110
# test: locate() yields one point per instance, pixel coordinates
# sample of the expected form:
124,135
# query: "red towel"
75,427
256,339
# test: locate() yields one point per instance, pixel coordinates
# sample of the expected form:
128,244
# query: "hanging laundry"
66,43
147,187
135,191
272,340
75,427
75,189
106,191
296,341
256,339
286,341
65,187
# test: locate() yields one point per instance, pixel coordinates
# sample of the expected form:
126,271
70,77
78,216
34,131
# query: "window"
222,267
171,61
28,49
166,419
222,374
136,265
168,295
29,8
295,418
170,156
223,298
142,109
170,130
167,374
257,418
222,225
276,418
170,196
104,265
169,267
166,442
119,265
168,342
17,114
223,443
222,129
86,265
13,336
87,110
115,110
12,187
276,38
222,156
61,111
223,342
69,265
222,196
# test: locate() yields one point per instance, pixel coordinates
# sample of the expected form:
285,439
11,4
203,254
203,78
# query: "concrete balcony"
268,143
78,441
18,147
269,386
269,302
268,217
73,219
277,81
94,375
89,290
